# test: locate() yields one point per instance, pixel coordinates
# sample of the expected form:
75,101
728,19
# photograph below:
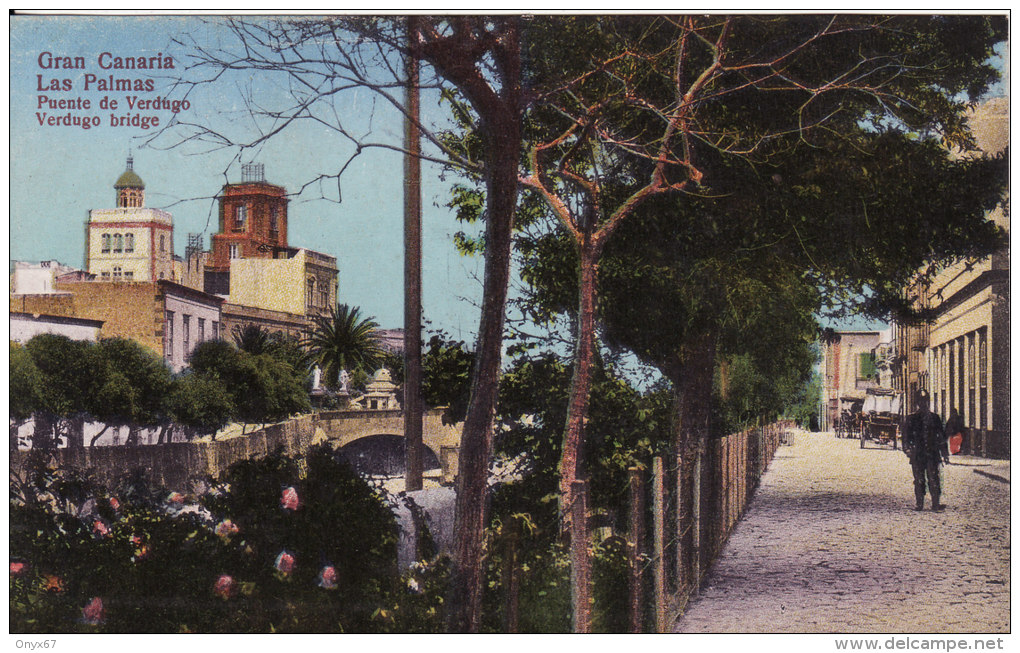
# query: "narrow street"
831,543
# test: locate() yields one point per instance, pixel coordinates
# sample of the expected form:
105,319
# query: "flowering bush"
239,557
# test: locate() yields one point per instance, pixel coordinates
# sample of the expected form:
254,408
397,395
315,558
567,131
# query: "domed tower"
130,242
130,188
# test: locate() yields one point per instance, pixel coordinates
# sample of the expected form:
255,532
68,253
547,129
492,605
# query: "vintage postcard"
551,323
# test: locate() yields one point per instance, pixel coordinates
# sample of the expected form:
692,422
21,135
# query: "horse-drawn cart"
881,419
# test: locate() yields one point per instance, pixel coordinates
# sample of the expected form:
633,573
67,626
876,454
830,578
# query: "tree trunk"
692,391
44,434
76,432
504,146
692,410
571,457
412,277
95,438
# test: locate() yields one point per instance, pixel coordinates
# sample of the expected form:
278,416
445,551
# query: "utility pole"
412,269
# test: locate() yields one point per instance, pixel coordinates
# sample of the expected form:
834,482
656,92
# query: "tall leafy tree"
26,383
261,388
733,115
481,58
138,382
72,372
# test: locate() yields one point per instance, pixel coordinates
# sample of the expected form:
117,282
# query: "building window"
241,218
162,243
105,274
118,243
168,337
274,219
214,329
129,242
186,330
983,379
106,243
116,273
866,369
201,329
129,276
310,298
235,251
323,298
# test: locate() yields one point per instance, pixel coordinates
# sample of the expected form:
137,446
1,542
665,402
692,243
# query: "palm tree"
252,338
343,340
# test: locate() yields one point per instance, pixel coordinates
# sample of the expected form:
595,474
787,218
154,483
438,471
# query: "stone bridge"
362,433
358,430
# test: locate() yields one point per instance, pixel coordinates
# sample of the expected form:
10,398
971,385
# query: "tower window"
241,218
117,273
274,218
106,243
310,300
118,243
234,251
129,242
162,243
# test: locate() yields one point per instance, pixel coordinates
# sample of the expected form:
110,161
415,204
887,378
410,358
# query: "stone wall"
173,464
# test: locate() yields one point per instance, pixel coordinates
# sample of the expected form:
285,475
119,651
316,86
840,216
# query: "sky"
59,173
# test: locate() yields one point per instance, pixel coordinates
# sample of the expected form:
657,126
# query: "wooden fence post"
658,542
580,569
513,581
637,528
696,524
679,521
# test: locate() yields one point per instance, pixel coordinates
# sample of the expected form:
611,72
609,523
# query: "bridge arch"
383,429
383,454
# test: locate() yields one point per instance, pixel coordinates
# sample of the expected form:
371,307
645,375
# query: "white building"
130,242
38,278
24,326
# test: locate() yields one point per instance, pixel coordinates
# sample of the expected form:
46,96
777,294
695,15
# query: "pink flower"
136,540
17,568
284,563
327,578
114,503
224,586
93,613
176,498
226,528
289,499
99,528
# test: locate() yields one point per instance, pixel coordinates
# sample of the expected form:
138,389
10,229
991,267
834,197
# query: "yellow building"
303,284
130,242
962,358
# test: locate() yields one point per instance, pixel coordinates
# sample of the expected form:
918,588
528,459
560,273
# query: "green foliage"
199,402
72,371
138,373
625,427
26,383
262,388
156,564
804,408
343,340
446,374
257,340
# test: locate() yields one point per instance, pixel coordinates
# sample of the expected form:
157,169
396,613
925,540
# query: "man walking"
924,442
